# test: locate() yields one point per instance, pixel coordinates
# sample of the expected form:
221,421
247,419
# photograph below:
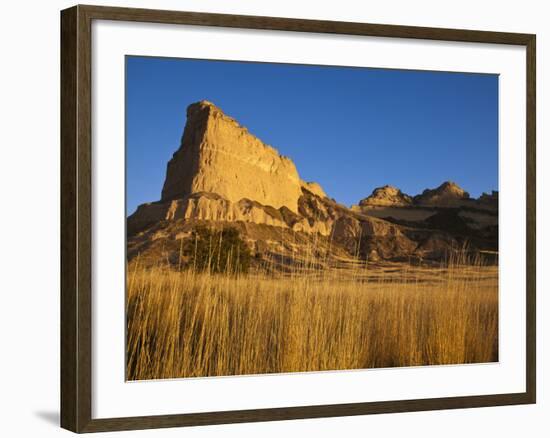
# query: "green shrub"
219,251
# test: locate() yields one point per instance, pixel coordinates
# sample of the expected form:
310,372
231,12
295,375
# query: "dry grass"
188,324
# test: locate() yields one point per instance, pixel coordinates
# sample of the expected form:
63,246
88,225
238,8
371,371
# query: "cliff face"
222,175
217,155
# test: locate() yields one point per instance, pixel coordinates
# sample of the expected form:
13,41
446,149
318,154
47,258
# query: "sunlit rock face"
447,194
386,196
217,155
222,175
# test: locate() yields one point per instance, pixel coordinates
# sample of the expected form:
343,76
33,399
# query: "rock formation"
217,155
314,188
223,175
387,196
447,194
446,208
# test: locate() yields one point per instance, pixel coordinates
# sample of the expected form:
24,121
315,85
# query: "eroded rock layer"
217,155
222,175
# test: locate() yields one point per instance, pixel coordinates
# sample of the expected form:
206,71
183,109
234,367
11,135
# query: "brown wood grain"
69,328
76,223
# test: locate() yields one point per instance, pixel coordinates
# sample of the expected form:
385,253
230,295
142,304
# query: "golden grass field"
191,324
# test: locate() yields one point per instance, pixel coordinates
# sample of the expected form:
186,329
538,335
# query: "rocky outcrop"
314,188
217,155
386,196
221,174
371,238
436,246
446,195
439,220
212,207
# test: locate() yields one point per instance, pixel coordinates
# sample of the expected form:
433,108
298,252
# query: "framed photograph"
270,218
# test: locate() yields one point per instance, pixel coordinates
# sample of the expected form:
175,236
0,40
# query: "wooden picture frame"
76,218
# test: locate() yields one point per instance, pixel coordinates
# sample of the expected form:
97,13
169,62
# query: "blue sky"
349,129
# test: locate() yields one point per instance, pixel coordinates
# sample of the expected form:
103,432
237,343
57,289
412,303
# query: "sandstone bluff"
223,175
217,155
